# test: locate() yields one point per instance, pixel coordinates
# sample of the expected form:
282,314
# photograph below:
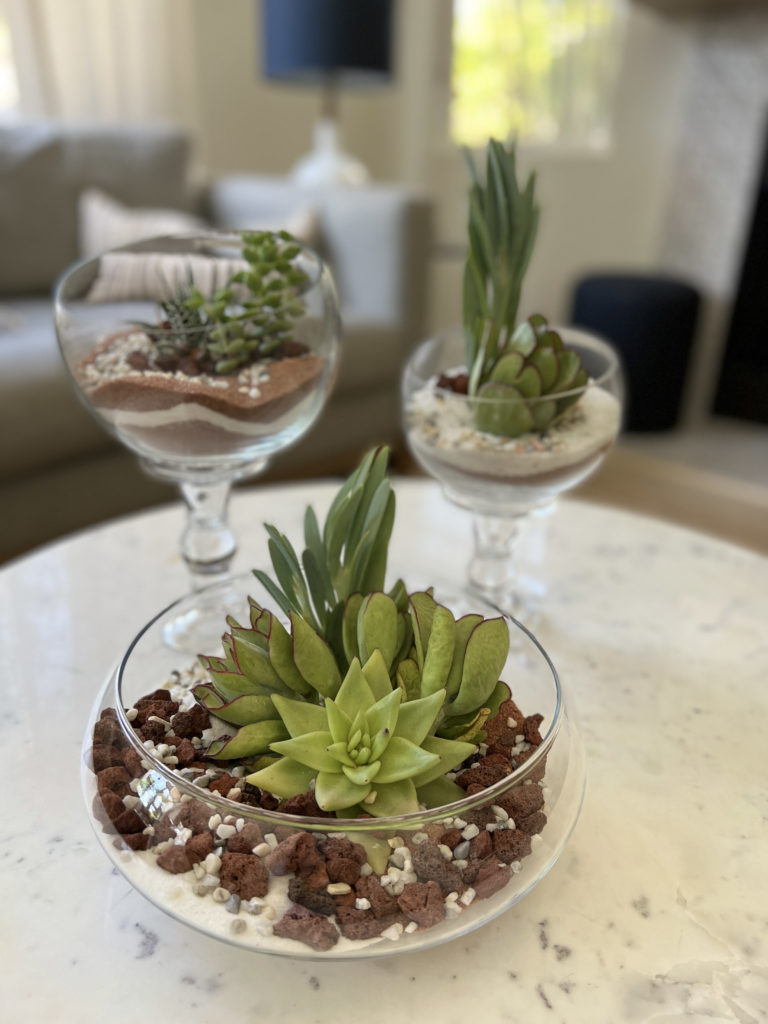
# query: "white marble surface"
658,909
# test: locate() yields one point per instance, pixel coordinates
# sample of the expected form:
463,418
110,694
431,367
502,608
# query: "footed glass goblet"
205,355
507,483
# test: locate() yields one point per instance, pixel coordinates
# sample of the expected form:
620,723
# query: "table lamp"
327,43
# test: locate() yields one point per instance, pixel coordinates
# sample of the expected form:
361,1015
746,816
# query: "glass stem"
207,543
491,569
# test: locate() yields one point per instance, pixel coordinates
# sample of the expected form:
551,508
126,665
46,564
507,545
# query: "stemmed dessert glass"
508,484
202,405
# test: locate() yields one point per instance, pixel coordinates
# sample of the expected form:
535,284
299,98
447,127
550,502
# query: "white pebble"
262,849
255,905
270,913
499,813
175,794
131,714
470,832
130,801
418,838
511,723
467,896
198,870
446,851
493,825
393,932
238,925
460,863
221,895
338,888
452,897
362,904
366,869
212,864
459,823
226,831
396,841
214,821
410,928
271,839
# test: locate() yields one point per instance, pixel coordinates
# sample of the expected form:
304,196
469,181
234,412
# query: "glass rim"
335,824
415,380
198,239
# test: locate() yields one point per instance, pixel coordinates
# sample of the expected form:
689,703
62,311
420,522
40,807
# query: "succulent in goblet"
511,364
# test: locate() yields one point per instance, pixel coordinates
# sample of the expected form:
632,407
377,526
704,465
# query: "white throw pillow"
105,223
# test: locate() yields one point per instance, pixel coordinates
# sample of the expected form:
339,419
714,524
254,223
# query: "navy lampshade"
318,40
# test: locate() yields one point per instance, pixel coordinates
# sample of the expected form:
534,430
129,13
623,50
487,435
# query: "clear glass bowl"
495,474
186,420
233,870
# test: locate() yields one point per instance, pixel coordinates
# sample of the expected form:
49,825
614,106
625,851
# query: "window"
541,71
9,86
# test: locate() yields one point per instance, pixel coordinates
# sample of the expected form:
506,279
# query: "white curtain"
103,60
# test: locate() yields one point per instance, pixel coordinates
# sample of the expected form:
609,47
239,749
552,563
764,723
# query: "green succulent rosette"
365,751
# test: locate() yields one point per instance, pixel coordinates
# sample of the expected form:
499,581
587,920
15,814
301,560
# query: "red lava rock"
313,930
451,838
535,774
422,902
304,805
319,901
199,846
137,360
185,752
481,846
113,780
522,801
343,848
129,822
164,708
194,816
108,804
193,722
154,731
370,888
106,757
482,774
298,853
481,816
176,860
245,840
511,844
132,762
533,823
491,876
107,732
135,841
531,729
223,783
431,866
343,869
244,874
358,924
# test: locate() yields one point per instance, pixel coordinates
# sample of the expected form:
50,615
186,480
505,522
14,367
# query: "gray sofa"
59,471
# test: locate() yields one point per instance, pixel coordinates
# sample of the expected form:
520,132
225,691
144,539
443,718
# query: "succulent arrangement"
526,369
369,697
249,318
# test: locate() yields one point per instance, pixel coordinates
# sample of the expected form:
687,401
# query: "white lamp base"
327,164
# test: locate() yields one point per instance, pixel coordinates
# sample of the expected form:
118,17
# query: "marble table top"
656,911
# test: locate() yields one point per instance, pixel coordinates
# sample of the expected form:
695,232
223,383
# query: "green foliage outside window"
536,70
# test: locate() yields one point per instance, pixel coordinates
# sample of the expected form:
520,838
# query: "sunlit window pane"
9,86
537,70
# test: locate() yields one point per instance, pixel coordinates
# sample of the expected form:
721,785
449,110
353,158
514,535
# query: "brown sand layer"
288,381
